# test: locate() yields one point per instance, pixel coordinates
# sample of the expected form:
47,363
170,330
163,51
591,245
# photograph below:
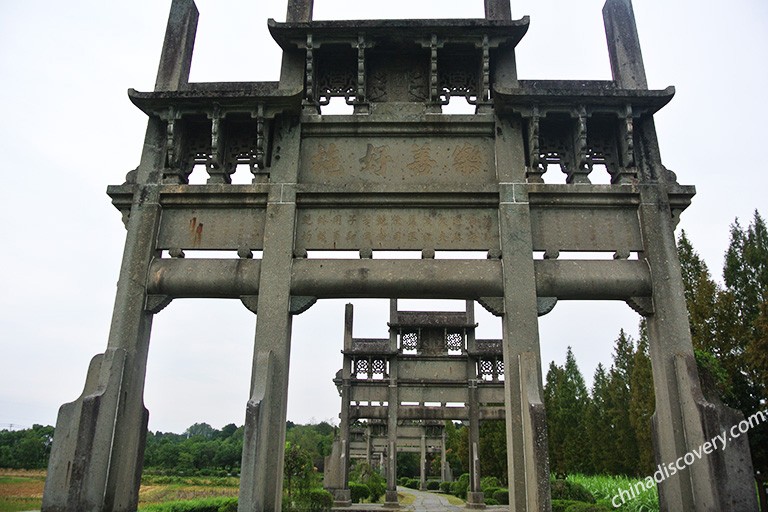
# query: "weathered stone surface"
397,174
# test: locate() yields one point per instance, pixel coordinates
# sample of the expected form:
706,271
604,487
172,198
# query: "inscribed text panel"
398,161
211,229
397,229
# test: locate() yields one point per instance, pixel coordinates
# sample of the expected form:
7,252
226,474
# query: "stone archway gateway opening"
396,175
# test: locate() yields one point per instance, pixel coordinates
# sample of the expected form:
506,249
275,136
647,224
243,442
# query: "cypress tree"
642,404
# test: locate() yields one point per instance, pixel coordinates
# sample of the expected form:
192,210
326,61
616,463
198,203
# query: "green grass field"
23,490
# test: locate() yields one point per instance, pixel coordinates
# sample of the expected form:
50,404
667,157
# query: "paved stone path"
429,502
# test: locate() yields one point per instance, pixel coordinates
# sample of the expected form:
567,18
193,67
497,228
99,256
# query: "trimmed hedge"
358,491
319,500
433,485
502,496
413,483
445,487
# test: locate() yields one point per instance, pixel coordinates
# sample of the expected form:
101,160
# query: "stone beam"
564,279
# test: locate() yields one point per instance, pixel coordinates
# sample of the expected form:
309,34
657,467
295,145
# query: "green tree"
566,401
493,449
642,404
297,472
624,454
598,425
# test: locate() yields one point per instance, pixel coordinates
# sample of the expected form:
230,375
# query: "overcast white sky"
69,130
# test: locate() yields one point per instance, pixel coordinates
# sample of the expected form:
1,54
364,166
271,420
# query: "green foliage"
642,403
491,501
562,505
568,490
460,487
402,480
731,324
297,472
408,464
316,439
202,505
502,496
566,401
604,488
363,473
445,487
26,449
358,491
320,500
433,485
413,483
587,507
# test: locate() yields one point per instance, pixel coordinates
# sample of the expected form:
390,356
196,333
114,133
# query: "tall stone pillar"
390,498
683,419
342,496
97,453
474,494
443,461
261,474
423,459
527,455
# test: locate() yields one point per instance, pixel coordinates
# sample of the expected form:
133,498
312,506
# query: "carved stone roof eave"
593,94
233,96
291,36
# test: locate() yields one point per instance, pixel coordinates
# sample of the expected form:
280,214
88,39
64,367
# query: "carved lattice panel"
458,76
485,367
409,340
379,367
362,366
454,340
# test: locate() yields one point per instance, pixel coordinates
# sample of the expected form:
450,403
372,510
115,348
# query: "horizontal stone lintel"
428,279
414,412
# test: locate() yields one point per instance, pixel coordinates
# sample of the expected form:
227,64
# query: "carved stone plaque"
397,229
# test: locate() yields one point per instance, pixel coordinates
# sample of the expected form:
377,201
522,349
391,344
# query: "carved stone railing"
218,126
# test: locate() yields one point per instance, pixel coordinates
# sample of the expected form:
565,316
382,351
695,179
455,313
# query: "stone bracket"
156,303
250,302
300,304
495,305
641,305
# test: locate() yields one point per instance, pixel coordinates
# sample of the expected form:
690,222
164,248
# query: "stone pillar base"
475,500
390,500
342,498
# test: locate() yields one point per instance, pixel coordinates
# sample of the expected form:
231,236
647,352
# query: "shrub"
358,491
402,480
488,491
413,483
502,496
433,485
561,505
580,506
565,490
445,487
319,500
459,487
489,481
490,501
